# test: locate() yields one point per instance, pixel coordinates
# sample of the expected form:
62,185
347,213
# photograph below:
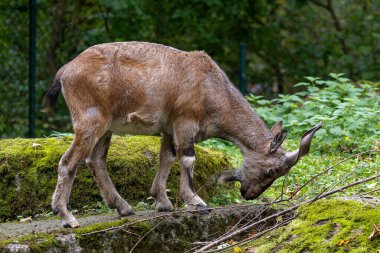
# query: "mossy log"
28,173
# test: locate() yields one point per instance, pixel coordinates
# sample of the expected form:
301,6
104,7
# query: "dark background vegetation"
286,40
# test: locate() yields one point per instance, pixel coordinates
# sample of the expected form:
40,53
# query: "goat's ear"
276,128
279,136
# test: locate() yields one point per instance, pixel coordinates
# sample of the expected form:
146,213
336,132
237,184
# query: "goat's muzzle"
230,176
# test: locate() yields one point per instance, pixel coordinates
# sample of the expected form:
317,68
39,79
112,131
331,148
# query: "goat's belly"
134,125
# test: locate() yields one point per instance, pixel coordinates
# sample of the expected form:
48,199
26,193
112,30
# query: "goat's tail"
53,93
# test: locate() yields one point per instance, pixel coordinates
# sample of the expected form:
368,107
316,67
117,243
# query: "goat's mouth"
249,195
253,191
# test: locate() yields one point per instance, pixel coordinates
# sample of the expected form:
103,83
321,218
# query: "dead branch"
142,238
251,238
257,216
240,231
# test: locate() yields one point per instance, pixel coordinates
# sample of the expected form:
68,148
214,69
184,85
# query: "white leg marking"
187,161
91,111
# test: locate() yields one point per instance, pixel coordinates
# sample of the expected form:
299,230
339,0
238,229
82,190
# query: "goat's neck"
246,129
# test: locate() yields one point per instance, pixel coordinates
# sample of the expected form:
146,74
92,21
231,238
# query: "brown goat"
145,88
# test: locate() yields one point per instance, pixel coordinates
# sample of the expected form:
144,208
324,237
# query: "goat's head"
260,170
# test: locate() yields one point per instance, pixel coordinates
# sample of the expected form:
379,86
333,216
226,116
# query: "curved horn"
293,157
230,175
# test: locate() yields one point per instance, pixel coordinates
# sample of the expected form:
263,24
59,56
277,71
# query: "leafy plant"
350,112
225,146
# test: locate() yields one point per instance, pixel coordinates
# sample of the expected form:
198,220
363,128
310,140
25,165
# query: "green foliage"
285,41
350,112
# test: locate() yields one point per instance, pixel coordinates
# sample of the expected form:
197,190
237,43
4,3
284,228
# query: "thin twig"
142,238
239,231
129,232
368,192
347,186
283,185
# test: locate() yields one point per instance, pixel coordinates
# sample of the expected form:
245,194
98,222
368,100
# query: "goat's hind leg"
88,131
97,164
80,149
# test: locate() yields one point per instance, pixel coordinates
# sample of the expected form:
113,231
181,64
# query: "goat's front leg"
97,164
184,138
158,189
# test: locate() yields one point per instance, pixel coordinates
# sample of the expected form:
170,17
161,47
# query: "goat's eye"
271,172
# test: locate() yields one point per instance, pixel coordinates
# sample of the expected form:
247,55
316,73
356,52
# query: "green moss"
100,226
117,240
28,173
37,242
42,242
326,226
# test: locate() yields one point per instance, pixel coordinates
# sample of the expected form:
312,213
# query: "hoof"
124,209
164,207
126,212
69,221
72,224
202,210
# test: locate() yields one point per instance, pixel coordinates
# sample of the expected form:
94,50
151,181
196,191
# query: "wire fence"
14,69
